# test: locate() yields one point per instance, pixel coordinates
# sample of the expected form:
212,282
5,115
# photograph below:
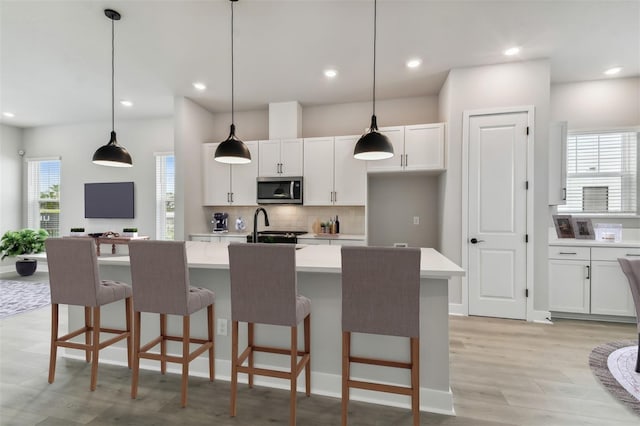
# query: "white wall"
494,86
75,144
10,181
597,104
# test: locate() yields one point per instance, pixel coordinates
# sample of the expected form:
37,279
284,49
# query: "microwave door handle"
291,190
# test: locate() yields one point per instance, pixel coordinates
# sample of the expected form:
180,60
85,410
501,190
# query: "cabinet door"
610,292
569,286
314,241
558,163
350,175
424,147
201,238
318,171
395,163
343,242
216,185
269,158
243,179
291,155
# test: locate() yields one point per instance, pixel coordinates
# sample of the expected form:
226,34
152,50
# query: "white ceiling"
55,56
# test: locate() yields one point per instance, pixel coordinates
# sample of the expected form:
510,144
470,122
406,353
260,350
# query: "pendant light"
112,154
373,145
232,150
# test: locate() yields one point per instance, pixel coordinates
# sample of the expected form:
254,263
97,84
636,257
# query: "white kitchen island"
319,279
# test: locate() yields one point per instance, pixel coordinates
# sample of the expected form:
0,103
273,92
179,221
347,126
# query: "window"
602,173
165,196
43,195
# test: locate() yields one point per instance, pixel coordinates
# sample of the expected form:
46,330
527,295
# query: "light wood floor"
503,372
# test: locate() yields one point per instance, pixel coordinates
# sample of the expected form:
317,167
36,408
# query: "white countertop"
310,258
592,243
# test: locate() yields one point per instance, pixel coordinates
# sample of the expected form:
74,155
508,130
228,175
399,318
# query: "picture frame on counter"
564,225
583,228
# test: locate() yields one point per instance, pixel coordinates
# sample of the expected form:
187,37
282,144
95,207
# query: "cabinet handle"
401,160
568,252
335,197
588,272
232,197
564,194
406,160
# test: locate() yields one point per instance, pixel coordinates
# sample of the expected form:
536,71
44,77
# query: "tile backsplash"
295,218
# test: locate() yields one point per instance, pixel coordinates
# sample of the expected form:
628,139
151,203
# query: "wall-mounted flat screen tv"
112,200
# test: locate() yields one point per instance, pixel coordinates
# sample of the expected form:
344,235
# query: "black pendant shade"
112,154
373,145
232,150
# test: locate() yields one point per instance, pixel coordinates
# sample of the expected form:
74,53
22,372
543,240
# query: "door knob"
475,241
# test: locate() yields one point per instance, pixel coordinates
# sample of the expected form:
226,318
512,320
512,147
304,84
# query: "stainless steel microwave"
279,190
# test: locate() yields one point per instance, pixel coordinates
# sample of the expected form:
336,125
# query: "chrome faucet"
254,236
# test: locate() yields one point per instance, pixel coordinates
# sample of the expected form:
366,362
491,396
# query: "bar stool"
160,280
381,295
74,280
264,291
631,269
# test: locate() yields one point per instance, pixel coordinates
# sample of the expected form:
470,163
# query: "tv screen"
108,200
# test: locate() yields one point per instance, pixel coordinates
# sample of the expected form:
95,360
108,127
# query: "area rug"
614,365
22,296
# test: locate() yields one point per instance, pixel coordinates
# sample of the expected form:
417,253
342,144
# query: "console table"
115,241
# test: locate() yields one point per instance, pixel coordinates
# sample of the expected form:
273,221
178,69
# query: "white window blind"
602,173
165,196
43,195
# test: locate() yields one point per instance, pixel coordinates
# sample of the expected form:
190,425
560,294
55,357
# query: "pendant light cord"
374,55
112,77
232,88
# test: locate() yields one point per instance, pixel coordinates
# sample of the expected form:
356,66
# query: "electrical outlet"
416,220
222,326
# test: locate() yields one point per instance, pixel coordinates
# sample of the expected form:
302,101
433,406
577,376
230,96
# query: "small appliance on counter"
220,222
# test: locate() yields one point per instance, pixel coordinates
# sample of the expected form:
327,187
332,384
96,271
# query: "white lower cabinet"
589,280
331,241
220,238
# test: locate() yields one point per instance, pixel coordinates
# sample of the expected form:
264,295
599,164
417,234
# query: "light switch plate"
222,326
416,220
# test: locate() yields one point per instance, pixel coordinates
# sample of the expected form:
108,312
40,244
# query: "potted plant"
77,232
25,241
130,232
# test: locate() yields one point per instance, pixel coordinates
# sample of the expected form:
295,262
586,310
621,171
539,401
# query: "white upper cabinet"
557,163
229,184
281,157
416,148
332,176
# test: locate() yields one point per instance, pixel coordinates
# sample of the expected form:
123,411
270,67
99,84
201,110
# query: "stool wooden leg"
346,353
53,354
87,334
415,380
294,376
163,343
185,357
136,354
128,306
307,349
95,345
234,367
250,335
211,336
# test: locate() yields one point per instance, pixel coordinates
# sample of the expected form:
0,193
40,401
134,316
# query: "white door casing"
497,214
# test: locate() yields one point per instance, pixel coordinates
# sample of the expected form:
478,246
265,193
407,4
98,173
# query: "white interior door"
497,273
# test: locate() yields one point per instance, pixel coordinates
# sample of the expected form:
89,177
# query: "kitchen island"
319,279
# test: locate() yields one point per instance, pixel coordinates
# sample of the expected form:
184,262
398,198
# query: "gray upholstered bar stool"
160,280
74,280
381,295
264,291
631,269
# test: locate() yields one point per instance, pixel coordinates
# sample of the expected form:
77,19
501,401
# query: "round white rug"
622,364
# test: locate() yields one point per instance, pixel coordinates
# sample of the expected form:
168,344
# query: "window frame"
160,198
30,203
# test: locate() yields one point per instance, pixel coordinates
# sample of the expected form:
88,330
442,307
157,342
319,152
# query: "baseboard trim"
323,384
457,309
542,317
592,317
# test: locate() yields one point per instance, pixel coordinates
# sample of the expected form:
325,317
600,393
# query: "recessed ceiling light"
331,73
8,114
612,71
512,51
126,103
414,63
199,86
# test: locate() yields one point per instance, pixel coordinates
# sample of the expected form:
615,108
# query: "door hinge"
526,184
526,292
527,130
526,238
